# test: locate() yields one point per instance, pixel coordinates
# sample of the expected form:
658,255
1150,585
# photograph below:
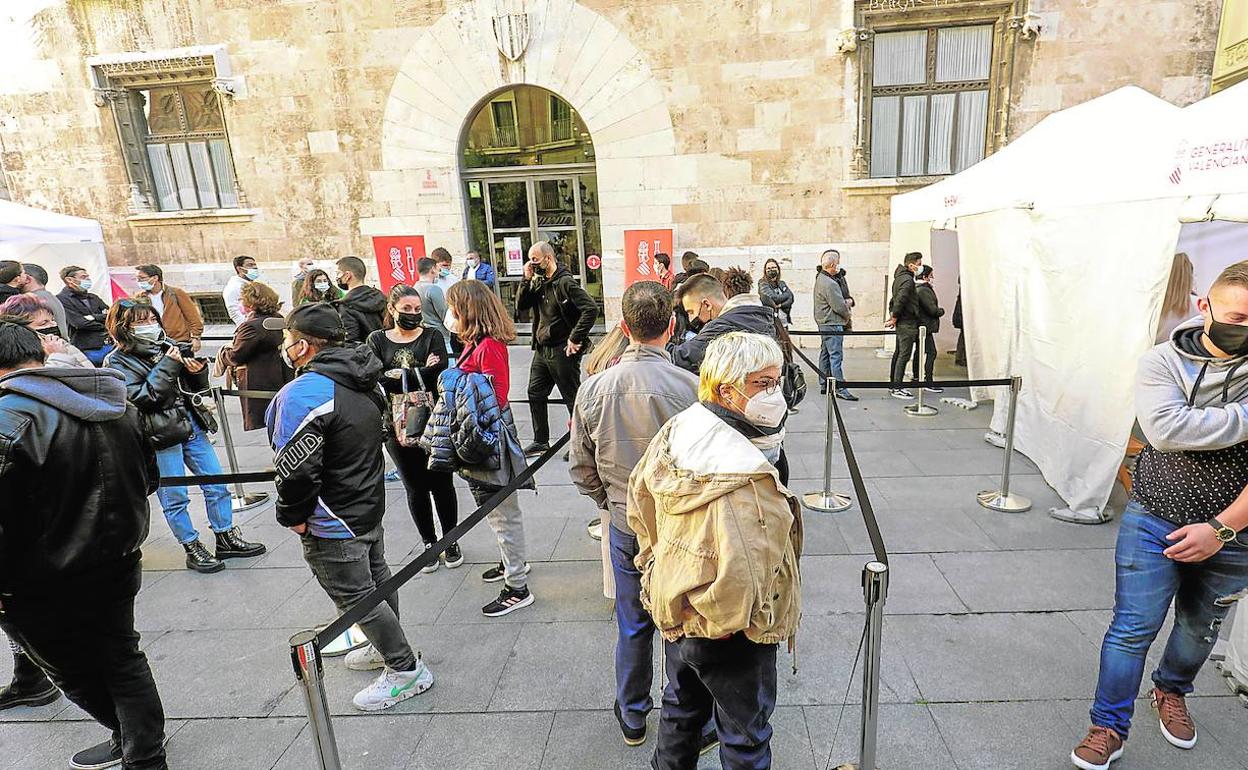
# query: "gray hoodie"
93,395
1186,401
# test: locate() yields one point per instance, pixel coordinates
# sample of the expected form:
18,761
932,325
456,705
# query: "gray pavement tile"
790,743
929,493
994,657
825,656
964,461
575,544
239,744
563,591
460,742
466,661
822,532
1036,489
221,673
1030,735
913,438
591,740
557,666
45,745
229,599
918,531
1217,746
1035,529
833,584
365,742
1019,581
907,736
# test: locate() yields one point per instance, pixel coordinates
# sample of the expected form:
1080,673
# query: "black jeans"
929,362
551,368
907,338
84,638
422,485
348,570
732,679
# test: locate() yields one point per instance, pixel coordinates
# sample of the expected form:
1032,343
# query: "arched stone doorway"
528,174
455,66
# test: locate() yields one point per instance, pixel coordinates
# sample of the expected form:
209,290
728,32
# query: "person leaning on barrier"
84,314
157,373
617,414
36,313
473,433
1180,541
832,314
719,537
326,428
75,473
904,317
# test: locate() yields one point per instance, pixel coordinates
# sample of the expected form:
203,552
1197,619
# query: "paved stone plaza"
990,649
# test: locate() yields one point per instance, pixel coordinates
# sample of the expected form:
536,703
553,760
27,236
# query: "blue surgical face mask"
444,272
146,285
85,284
150,332
321,285
253,273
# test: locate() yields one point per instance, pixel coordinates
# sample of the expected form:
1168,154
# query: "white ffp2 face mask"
766,409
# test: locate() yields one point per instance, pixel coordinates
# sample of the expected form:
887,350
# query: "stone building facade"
752,129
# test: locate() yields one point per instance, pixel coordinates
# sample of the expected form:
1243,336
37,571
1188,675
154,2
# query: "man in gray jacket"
1179,541
617,413
832,314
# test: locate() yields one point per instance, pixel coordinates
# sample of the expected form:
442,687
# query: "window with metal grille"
560,120
929,95
186,148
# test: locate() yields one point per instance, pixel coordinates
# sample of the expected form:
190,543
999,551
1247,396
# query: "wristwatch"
1224,533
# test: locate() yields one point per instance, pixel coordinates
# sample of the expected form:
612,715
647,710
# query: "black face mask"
539,270
696,324
408,321
773,274
344,285
1230,338
48,331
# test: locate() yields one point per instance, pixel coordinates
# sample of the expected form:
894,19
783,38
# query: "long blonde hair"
479,312
607,352
1178,301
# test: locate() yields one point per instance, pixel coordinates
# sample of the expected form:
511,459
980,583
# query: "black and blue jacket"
327,428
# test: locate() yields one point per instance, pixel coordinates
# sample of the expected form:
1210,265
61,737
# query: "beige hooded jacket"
719,537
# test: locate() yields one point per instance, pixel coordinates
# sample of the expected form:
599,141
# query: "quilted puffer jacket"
470,433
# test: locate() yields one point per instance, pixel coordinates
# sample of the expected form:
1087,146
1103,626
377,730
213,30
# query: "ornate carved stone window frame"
1009,19
117,79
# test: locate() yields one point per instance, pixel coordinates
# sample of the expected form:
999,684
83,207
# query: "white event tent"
53,241
1065,240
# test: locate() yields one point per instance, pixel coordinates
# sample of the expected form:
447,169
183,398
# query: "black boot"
30,686
231,545
199,559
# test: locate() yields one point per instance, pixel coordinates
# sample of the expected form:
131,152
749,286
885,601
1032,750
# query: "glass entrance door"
510,214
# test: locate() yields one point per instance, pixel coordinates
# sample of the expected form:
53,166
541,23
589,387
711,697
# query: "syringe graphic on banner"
396,263
411,263
643,258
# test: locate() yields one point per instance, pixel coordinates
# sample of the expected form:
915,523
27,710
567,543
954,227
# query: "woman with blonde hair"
719,538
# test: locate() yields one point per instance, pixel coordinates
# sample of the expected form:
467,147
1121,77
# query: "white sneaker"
366,658
394,687
594,528
431,566
996,439
1082,516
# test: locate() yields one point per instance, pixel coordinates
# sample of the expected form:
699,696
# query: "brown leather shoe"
1176,723
1098,750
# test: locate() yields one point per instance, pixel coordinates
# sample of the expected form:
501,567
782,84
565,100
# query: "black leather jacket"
75,473
152,385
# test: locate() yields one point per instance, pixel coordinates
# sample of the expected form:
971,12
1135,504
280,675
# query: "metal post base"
351,639
833,502
993,500
883,353
249,501
922,410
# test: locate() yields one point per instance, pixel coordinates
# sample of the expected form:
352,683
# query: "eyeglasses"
767,385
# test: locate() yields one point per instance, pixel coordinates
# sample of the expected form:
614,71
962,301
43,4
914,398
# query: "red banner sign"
397,256
640,246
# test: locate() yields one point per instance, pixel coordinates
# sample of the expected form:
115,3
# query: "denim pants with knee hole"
1147,583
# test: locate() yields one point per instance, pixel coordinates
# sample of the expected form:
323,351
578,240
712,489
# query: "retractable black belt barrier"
305,646
218,478
248,393
845,333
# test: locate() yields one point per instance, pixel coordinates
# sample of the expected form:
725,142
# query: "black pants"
84,638
422,485
732,679
551,368
929,363
907,337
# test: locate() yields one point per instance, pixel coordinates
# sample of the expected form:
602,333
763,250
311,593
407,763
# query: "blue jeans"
831,353
1147,582
634,646
197,454
97,356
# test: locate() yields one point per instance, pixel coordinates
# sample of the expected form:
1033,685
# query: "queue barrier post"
882,351
305,654
919,409
1001,499
828,501
875,592
240,500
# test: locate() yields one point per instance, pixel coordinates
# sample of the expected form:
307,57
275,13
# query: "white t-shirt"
158,301
447,282
233,296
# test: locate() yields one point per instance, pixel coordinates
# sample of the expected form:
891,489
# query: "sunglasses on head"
132,303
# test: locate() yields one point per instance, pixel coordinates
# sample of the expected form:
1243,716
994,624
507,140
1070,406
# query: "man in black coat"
565,314
75,475
904,316
84,314
363,306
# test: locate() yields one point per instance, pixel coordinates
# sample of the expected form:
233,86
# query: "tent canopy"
1102,150
25,225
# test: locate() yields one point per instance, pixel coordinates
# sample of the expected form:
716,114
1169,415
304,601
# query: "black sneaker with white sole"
98,756
453,556
498,572
536,448
633,736
508,601
934,389
902,394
